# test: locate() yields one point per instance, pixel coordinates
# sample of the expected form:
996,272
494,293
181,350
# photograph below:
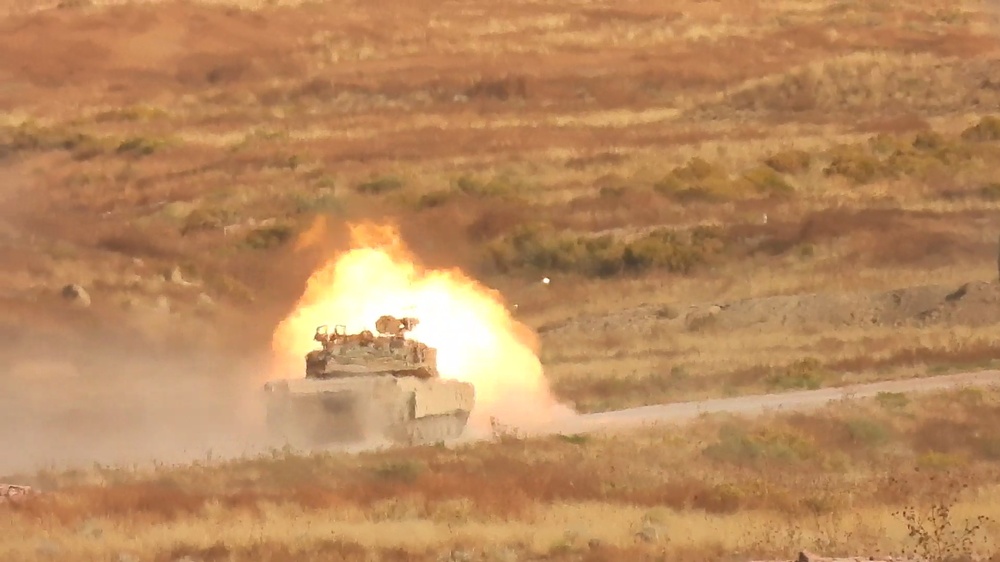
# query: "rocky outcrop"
77,295
13,492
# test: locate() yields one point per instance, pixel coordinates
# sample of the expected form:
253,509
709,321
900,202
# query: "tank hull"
406,410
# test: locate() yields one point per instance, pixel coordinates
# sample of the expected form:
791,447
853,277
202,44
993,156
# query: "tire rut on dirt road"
796,401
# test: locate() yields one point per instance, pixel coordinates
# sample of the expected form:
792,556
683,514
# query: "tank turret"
364,353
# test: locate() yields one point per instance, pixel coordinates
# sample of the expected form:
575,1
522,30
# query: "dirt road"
758,404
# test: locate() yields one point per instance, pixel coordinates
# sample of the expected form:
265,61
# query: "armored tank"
365,386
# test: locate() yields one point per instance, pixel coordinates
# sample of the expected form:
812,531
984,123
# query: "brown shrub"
855,434
598,159
496,219
267,237
541,248
136,243
967,355
854,163
616,204
206,219
790,161
501,88
380,185
144,500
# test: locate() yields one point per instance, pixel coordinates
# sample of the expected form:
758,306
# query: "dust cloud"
120,400
86,387
476,337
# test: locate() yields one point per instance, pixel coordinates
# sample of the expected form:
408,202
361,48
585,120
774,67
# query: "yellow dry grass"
840,480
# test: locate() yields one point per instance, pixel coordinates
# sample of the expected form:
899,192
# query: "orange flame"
478,340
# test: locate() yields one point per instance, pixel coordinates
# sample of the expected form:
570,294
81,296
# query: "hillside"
726,197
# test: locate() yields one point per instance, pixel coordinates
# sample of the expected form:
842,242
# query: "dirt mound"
976,303
972,304
864,81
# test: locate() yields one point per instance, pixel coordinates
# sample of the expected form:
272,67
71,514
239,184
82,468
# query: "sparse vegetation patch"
823,474
726,198
537,248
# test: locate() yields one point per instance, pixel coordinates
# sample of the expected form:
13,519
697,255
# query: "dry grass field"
889,476
728,197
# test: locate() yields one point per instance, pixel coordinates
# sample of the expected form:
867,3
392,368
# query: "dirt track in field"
764,403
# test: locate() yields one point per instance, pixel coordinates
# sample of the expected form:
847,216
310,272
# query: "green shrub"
134,113
867,431
575,439
698,179
139,146
989,447
937,461
612,192
269,236
990,191
853,163
884,145
929,140
892,400
435,199
765,179
399,471
206,219
671,250
87,147
988,129
736,445
803,374
321,201
31,137
380,185
908,163
500,185
894,156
